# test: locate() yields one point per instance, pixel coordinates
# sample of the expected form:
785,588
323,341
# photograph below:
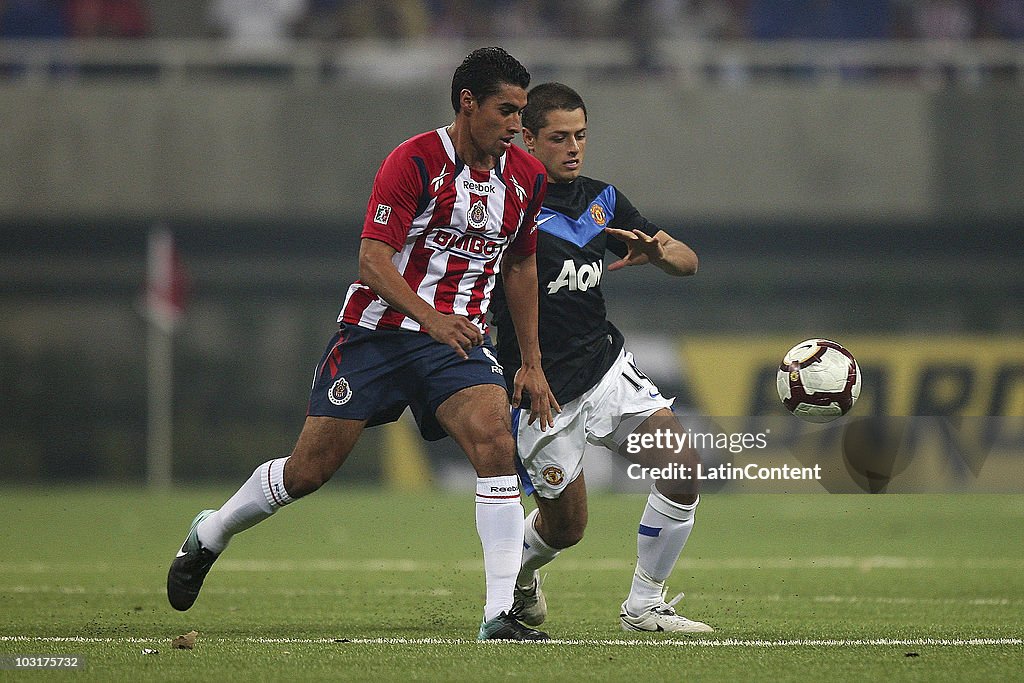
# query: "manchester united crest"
598,214
553,475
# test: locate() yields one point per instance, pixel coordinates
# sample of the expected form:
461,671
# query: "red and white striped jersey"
450,226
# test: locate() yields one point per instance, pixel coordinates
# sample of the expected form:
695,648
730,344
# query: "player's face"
560,144
495,121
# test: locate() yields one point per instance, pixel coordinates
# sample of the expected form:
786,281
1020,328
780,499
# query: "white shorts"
601,418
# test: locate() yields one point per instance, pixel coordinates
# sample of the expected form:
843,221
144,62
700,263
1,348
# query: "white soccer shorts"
601,418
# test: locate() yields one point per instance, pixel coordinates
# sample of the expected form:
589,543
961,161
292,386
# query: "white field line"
642,642
341,591
866,563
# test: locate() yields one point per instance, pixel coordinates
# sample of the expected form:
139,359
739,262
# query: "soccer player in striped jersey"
449,211
604,396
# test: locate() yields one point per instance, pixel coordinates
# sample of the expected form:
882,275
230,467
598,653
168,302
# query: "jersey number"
639,376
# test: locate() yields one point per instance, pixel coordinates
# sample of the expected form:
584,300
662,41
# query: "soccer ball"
818,380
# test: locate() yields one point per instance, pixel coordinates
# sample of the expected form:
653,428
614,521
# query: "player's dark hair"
548,97
484,71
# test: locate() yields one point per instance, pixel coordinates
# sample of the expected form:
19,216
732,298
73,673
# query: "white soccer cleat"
661,618
529,605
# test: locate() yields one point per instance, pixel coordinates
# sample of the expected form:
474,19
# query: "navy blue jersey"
577,342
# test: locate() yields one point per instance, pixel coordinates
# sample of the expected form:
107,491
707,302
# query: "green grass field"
358,584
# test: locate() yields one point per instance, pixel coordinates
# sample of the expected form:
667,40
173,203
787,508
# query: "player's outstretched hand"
642,248
531,381
457,332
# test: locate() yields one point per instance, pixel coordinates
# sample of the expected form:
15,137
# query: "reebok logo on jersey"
520,192
382,214
438,180
577,280
479,188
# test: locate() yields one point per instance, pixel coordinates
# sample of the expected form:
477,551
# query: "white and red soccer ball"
818,380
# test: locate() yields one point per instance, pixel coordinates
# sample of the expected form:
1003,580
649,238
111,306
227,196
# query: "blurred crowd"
255,20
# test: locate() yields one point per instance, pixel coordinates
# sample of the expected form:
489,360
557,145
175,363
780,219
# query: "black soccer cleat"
189,568
506,627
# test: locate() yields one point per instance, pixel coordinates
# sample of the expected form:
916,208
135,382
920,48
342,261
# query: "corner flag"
166,290
166,280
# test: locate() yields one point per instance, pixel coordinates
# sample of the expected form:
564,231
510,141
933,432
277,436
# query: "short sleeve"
627,217
393,200
525,242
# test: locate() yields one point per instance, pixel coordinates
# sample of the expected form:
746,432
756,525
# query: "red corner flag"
166,280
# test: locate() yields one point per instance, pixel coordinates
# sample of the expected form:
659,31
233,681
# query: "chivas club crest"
340,392
477,215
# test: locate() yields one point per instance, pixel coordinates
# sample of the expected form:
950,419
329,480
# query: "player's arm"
519,275
378,272
661,249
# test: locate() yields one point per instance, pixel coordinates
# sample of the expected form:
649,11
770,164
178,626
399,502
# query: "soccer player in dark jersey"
604,396
449,209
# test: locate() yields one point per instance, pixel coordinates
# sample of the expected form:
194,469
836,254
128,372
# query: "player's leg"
556,524
477,417
332,426
322,447
560,522
551,467
356,362
665,526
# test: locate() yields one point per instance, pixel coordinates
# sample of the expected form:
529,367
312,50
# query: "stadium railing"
926,63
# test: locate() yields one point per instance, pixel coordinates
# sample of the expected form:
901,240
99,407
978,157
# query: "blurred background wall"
843,169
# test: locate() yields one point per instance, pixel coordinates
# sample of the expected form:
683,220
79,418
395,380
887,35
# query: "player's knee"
567,535
564,529
492,451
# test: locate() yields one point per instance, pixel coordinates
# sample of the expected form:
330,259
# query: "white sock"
664,528
536,553
499,522
258,498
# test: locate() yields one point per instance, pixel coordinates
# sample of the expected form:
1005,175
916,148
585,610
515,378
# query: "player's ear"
529,139
467,100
